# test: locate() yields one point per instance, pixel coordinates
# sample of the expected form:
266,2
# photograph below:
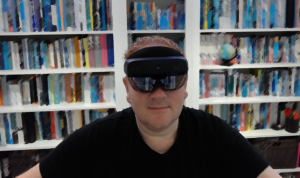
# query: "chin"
160,122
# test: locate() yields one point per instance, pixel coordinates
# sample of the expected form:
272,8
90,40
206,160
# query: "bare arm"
32,173
269,173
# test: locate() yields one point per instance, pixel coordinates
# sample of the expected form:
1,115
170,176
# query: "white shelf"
250,30
287,170
57,107
250,66
238,100
268,133
54,33
155,31
46,144
56,71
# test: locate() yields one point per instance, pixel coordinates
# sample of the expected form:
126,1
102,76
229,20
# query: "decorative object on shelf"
227,54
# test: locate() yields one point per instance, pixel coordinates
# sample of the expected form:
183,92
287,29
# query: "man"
158,136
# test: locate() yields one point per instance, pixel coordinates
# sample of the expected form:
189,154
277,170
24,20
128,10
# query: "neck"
158,140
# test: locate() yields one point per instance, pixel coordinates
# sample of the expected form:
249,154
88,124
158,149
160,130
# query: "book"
28,120
78,87
76,16
103,14
91,51
110,50
96,14
103,44
77,50
86,52
53,129
82,16
88,16
68,88
97,51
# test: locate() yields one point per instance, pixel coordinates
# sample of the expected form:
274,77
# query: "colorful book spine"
103,43
1,18
94,89
77,50
88,16
61,16
91,51
138,14
83,19
91,14
110,50
59,22
35,55
5,15
12,16
103,19
100,89
86,49
36,16
233,13
97,51
96,14
77,16
172,11
66,53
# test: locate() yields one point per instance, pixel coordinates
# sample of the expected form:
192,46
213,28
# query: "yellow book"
91,14
77,50
205,9
86,53
52,88
61,9
73,88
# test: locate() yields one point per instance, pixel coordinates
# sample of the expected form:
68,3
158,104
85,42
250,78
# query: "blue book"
94,89
233,14
30,54
265,115
292,44
56,89
58,16
88,16
272,13
103,19
49,89
131,16
165,19
9,139
201,13
6,52
254,20
36,16
216,14
209,14
139,19
12,14
245,10
100,115
94,115
237,117
43,55
264,14
39,123
110,50
23,14
35,55
47,15
148,15
181,15
64,18
65,49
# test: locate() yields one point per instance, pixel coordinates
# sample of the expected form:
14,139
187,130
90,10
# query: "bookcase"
120,33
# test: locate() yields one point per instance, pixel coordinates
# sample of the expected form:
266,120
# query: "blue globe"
227,51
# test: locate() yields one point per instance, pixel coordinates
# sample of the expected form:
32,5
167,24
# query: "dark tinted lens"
147,84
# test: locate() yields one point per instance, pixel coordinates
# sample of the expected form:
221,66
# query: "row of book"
23,128
247,14
51,89
254,116
79,52
55,15
146,16
251,50
264,82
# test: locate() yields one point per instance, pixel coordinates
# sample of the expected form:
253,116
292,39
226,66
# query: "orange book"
77,50
52,125
68,88
61,9
172,10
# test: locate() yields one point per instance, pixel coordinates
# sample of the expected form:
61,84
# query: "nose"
158,94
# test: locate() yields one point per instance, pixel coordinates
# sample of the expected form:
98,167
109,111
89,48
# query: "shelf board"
268,133
251,66
238,100
46,144
287,170
250,30
56,71
54,33
56,107
155,31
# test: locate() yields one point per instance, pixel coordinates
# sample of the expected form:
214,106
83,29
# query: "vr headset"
153,67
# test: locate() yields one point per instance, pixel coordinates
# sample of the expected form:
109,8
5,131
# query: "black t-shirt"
205,147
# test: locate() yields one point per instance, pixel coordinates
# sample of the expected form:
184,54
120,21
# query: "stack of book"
264,82
51,89
247,14
251,50
23,128
79,52
55,15
255,116
146,16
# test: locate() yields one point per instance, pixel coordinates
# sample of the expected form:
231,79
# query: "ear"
125,82
185,92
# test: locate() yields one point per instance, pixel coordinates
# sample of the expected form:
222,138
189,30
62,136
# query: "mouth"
158,108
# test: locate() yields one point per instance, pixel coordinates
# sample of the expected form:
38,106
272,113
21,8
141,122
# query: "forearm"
269,173
32,173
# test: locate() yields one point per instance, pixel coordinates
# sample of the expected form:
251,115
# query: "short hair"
146,41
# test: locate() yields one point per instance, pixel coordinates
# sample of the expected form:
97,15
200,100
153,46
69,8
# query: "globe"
227,52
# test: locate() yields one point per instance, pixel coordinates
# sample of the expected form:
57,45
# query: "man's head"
159,108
